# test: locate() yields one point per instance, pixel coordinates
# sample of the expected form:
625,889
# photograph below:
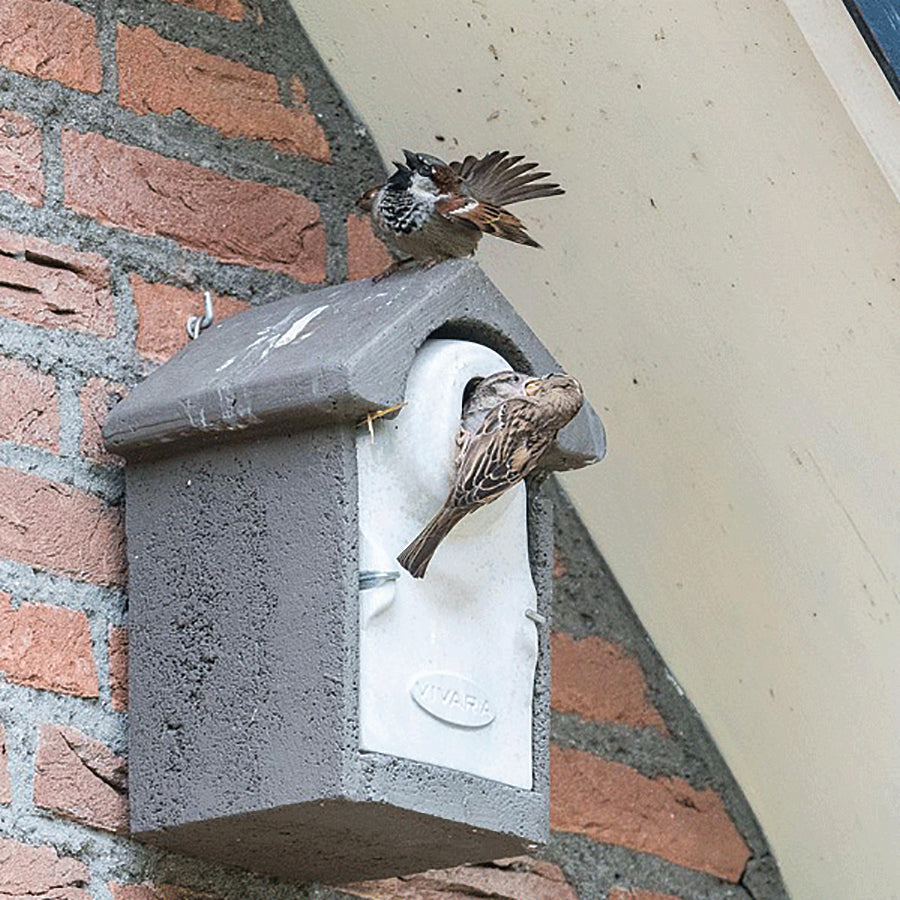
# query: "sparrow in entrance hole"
506,446
429,210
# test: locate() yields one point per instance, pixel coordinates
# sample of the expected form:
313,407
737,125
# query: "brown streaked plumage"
429,210
483,394
504,449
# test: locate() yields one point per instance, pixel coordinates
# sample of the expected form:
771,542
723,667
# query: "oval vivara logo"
453,699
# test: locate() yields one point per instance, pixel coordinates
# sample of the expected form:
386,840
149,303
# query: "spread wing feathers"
499,178
486,217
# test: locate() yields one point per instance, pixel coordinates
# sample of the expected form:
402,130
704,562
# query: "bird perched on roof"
507,446
429,210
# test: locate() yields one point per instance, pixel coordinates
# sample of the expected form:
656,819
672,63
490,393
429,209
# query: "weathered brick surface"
29,413
39,873
47,647
118,668
612,803
21,155
55,286
520,878
163,311
5,791
81,779
366,255
237,221
156,75
60,529
597,680
229,9
133,891
97,397
50,39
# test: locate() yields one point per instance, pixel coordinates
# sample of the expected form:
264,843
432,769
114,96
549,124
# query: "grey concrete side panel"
540,552
466,800
240,564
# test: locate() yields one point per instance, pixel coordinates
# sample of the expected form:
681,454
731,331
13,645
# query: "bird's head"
560,390
427,173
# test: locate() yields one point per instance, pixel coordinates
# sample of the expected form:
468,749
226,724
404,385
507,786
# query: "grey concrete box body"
243,543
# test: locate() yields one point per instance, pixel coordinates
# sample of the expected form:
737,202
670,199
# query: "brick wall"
149,150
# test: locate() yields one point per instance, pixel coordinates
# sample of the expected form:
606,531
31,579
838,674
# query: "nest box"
299,705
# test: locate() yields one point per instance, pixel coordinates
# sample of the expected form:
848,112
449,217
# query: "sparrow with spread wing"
504,449
429,210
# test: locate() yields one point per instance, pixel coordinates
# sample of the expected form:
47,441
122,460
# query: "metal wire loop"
196,324
373,579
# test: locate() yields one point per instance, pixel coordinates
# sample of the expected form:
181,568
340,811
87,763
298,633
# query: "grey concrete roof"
329,356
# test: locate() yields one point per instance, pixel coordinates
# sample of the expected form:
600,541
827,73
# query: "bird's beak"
365,201
412,159
532,387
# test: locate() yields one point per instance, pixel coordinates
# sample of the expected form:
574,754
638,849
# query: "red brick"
29,413
132,891
55,286
163,312
237,221
47,647
50,39
5,792
39,873
520,878
366,255
624,894
81,779
597,680
156,75
118,668
97,397
21,155
229,9
60,529
612,803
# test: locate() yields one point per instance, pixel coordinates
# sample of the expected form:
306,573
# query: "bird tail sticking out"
417,555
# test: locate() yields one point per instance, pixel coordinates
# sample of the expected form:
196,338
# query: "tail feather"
417,555
498,222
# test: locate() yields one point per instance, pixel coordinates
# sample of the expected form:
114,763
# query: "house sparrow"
483,394
429,210
504,449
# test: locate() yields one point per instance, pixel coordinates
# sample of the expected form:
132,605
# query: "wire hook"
196,324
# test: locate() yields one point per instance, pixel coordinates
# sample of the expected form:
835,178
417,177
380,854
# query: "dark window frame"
878,22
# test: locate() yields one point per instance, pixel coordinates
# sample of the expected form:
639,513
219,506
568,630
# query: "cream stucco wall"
723,276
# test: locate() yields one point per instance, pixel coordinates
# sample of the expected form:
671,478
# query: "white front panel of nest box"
447,662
